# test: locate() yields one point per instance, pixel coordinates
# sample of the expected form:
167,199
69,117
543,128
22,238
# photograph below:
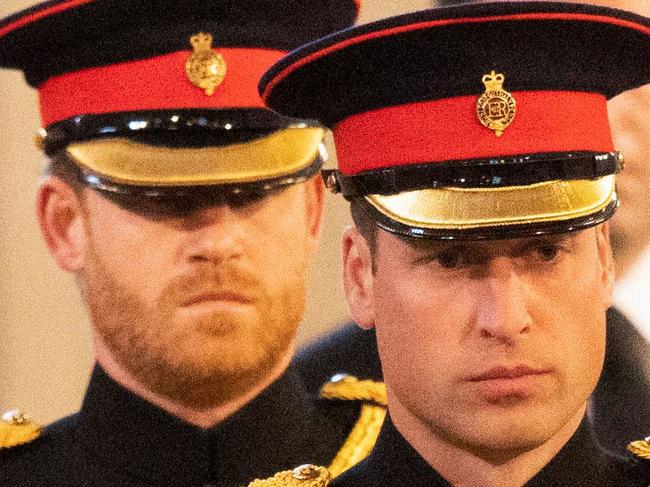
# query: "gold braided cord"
348,388
16,430
304,476
640,449
361,439
359,442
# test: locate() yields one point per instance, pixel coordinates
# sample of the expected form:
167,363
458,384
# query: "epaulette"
640,449
16,429
303,476
365,432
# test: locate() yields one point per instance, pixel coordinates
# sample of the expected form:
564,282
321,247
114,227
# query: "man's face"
199,299
491,346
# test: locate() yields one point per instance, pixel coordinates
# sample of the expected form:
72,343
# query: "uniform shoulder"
633,468
16,429
639,457
29,451
348,349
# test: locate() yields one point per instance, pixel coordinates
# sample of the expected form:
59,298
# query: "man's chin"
237,351
208,365
219,324
217,317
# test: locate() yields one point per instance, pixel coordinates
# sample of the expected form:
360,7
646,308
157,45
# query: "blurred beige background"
44,335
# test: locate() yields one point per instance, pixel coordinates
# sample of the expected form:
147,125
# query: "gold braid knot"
303,476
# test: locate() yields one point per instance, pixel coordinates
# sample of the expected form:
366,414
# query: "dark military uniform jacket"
620,404
619,408
580,463
120,440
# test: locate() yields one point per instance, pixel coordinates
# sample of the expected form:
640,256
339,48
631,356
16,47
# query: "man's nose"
215,233
501,310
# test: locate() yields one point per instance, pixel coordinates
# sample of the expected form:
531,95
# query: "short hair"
364,222
60,165
366,225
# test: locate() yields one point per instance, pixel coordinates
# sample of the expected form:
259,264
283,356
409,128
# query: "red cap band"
157,83
449,129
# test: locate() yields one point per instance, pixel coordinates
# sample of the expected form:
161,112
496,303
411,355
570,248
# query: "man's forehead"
504,245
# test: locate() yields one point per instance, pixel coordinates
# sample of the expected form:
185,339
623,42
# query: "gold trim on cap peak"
475,208
123,161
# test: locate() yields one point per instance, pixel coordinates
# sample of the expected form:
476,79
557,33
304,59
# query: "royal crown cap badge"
496,108
205,67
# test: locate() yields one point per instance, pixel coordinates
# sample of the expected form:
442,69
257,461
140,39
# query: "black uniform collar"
392,462
120,428
579,462
395,462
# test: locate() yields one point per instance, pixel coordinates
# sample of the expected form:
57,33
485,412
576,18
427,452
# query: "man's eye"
183,206
241,200
167,207
547,252
155,208
449,260
446,258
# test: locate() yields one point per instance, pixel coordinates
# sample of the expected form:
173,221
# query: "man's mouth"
508,372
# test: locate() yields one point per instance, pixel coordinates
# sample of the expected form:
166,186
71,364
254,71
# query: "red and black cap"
472,121
160,94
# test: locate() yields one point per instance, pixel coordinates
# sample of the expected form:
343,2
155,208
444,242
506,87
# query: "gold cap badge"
496,108
205,68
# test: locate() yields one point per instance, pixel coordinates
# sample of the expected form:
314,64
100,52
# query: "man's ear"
61,219
358,278
606,259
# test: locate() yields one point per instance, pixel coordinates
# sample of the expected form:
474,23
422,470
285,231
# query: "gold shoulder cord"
359,442
640,449
303,476
365,432
16,429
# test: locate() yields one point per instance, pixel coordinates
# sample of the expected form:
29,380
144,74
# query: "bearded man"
188,213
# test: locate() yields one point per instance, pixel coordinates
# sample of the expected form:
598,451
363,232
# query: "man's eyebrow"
567,239
554,238
430,245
